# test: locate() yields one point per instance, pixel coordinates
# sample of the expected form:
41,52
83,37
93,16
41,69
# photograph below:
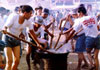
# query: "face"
45,15
75,16
27,15
39,11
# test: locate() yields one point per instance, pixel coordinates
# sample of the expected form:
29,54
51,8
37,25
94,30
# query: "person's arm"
70,20
34,37
46,30
61,22
53,20
68,31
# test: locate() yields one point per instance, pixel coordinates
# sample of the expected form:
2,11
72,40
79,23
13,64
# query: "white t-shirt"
76,22
89,25
13,25
46,21
41,31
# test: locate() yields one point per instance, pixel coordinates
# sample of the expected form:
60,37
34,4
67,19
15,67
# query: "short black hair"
81,5
82,9
39,7
26,8
46,11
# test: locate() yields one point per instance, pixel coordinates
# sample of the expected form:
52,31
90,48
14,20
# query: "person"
46,25
90,27
2,45
80,42
40,34
14,25
38,10
80,47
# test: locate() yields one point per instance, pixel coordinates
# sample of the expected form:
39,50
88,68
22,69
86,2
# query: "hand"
4,31
52,35
53,20
61,33
22,36
39,46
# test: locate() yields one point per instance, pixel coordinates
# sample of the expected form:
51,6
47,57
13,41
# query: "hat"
46,11
17,9
39,7
39,20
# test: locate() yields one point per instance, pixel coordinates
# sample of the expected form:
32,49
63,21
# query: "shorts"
11,42
2,45
45,36
98,42
93,42
64,29
80,44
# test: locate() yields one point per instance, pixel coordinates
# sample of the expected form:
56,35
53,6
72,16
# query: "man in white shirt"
90,27
14,25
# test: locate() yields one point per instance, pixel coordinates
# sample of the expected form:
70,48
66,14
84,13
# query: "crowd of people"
25,23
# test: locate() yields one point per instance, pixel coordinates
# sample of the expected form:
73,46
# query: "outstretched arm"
61,22
53,20
34,37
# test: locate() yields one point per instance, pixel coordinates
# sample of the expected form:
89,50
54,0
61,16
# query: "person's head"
74,13
81,5
45,13
38,10
38,21
16,9
27,11
82,11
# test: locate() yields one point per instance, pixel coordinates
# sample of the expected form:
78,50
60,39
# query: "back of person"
89,24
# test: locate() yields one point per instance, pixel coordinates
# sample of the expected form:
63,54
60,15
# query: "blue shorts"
64,29
80,44
2,45
11,42
92,42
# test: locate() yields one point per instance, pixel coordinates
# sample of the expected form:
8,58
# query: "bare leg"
8,55
16,53
96,59
29,49
89,56
80,58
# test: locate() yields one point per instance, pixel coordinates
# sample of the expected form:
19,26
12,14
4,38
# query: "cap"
39,20
46,11
39,7
17,9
